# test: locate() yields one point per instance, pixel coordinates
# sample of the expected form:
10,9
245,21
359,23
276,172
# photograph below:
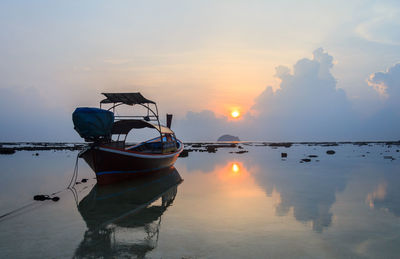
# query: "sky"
295,70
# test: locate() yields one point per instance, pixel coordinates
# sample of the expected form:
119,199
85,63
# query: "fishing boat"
108,154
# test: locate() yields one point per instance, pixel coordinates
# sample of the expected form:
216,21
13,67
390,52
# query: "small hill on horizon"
227,137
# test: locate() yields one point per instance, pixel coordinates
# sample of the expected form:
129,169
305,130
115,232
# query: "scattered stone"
240,147
389,157
283,155
42,197
7,151
227,137
330,152
361,143
227,145
184,153
35,146
329,144
285,144
241,152
211,149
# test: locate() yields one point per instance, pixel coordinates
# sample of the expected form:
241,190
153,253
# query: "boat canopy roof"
124,126
126,98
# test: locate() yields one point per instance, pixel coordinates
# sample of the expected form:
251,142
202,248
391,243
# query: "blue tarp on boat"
92,123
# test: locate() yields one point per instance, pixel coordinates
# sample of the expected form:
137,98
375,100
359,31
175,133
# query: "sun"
235,114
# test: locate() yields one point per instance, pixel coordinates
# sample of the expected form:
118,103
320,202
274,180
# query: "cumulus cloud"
385,124
308,106
387,83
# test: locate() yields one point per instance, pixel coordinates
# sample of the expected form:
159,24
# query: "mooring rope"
16,210
42,197
74,177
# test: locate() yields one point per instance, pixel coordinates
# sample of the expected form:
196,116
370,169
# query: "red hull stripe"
136,154
132,171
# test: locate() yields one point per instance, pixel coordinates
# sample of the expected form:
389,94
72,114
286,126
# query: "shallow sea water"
251,205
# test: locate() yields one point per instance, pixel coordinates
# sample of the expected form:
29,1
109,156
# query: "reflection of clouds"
311,198
306,191
377,195
386,194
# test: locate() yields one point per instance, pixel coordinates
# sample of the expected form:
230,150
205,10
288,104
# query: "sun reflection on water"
235,168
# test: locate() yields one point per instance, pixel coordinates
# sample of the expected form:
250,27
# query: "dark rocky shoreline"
210,147
8,148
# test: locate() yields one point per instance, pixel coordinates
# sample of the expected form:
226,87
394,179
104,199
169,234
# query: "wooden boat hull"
114,165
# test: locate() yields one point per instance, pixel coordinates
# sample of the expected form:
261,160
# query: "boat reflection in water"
124,219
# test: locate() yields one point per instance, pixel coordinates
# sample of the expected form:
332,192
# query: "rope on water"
43,197
72,182
16,210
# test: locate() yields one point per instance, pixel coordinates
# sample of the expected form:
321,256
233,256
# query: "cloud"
382,25
308,106
385,124
387,83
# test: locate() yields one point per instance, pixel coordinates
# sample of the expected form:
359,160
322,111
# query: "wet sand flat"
235,200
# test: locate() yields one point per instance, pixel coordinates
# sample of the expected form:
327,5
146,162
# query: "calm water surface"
222,205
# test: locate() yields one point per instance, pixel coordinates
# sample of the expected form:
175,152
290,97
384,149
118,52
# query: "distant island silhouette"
227,137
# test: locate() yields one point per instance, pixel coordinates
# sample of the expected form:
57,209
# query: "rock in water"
228,138
184,153
211,149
